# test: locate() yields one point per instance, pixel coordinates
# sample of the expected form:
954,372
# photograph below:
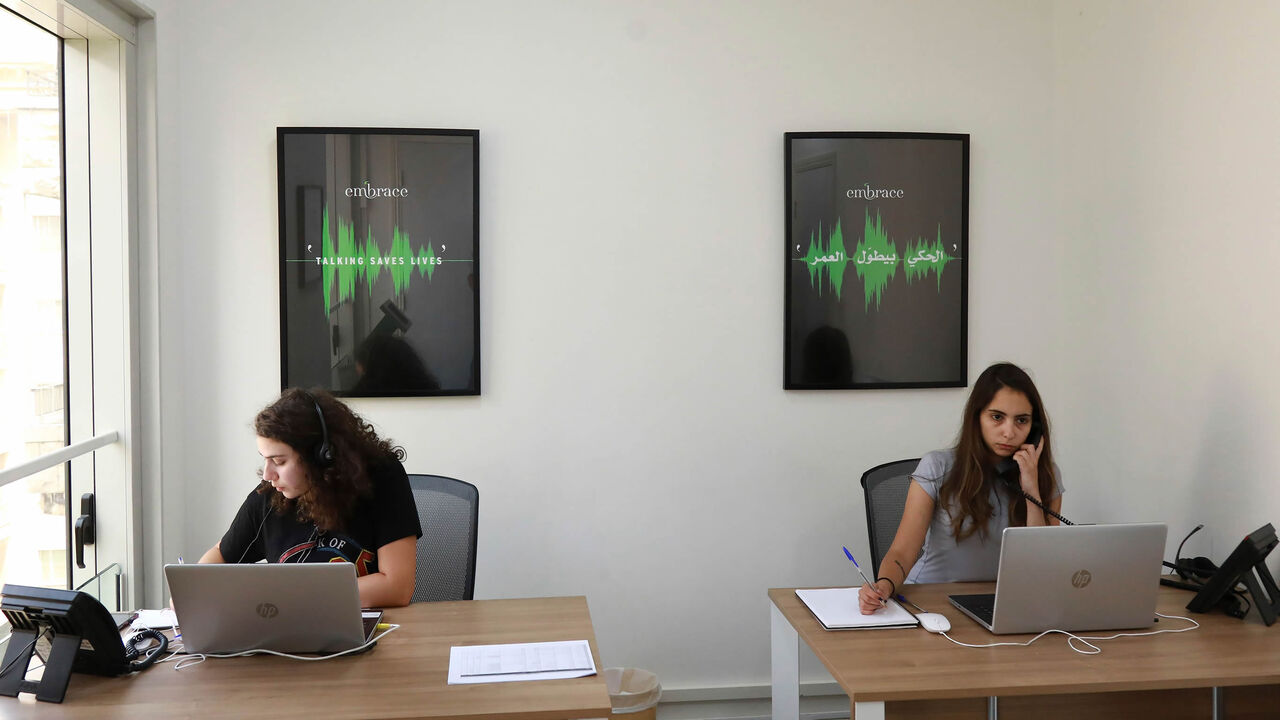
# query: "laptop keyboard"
982,606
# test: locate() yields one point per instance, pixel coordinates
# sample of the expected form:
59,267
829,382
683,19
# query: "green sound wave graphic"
875,260
352,261
923,257
829,260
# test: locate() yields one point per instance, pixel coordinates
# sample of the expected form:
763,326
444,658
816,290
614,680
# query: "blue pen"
900,598
855,564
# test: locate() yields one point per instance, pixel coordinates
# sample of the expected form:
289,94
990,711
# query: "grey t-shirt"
974,558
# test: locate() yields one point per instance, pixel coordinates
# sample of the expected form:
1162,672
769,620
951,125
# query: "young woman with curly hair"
331,490
957,508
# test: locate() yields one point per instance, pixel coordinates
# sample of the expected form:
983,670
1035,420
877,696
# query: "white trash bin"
633,693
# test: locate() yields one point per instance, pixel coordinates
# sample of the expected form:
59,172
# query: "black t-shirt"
389,514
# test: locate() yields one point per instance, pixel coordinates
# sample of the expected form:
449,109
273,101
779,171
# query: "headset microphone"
1196,568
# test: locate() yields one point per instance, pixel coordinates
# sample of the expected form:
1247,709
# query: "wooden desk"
404,676
875,666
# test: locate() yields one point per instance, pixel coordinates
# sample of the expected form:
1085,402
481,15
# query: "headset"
323,454
1196,569
1195,572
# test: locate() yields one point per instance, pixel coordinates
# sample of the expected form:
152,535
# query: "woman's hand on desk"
872,597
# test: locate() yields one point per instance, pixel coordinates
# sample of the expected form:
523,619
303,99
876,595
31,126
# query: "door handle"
86,527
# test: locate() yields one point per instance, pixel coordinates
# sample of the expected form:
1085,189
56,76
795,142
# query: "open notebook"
837,609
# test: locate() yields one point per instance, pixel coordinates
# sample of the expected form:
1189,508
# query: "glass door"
68,393
34,522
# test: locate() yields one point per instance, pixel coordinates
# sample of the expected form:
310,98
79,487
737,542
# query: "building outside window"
33,419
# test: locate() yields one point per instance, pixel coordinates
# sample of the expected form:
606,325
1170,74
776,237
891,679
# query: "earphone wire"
315,543
265,515
314,539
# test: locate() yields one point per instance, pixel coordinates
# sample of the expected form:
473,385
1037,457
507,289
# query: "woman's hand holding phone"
1028,459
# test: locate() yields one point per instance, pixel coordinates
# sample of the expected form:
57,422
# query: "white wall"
1165,130
633,442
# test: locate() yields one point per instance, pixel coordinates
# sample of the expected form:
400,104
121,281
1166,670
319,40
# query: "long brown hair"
965,495
294,421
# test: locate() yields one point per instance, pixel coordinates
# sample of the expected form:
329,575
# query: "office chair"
449,511
884,492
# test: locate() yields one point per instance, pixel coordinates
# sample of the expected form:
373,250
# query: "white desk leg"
784,646
868,710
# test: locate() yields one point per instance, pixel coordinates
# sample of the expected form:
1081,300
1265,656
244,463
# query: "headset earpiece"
1198,569
323,456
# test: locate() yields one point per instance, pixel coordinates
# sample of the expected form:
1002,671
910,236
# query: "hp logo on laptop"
1081,578
268,610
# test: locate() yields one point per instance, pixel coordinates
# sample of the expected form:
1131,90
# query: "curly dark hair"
292,420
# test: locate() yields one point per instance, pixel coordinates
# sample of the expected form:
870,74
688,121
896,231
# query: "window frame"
110,244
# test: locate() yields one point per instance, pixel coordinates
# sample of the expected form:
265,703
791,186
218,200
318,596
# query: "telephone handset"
1007,468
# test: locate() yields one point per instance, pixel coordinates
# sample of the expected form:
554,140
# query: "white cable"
181,664
1084,639
169,657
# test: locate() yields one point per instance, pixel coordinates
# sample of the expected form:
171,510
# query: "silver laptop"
1072,577
296,608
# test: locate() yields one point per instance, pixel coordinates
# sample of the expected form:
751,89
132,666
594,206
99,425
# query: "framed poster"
379,249
877,240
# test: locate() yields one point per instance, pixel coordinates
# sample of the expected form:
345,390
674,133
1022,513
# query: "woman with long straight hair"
961,499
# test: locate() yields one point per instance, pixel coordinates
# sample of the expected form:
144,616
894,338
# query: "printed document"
520,661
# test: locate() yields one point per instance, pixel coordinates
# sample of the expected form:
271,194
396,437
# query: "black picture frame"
379,242
876,260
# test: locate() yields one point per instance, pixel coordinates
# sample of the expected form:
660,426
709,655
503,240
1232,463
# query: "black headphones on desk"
1197,571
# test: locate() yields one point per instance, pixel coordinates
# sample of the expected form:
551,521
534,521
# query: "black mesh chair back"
884,491
448,510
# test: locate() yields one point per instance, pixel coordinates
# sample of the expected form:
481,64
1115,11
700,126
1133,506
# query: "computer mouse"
933,622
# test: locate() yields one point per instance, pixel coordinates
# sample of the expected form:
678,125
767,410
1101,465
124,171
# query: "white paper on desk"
520,661
837,609
155,619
